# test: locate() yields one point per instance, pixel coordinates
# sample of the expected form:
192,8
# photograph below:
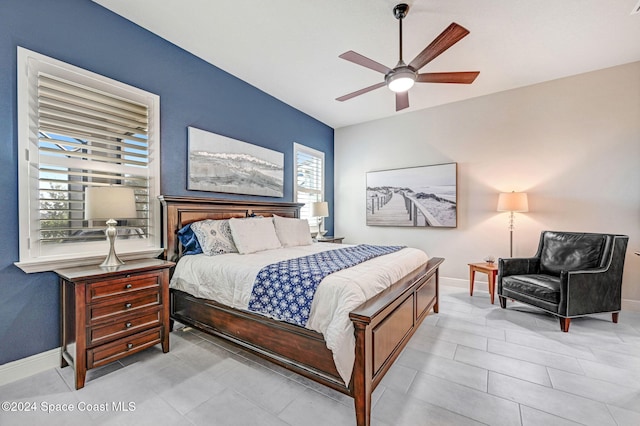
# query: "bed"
382,325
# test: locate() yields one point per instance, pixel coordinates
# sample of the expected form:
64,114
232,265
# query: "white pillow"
292,232
252,235
214,236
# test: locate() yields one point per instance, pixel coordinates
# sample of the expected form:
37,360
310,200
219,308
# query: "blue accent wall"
192,93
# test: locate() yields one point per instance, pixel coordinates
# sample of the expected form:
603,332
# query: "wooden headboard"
180,211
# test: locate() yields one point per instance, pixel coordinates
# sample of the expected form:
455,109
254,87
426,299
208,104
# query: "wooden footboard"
383,325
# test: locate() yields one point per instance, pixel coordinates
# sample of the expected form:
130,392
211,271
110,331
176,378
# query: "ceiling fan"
401,78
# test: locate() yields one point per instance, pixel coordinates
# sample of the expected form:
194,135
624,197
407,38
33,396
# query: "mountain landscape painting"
221,164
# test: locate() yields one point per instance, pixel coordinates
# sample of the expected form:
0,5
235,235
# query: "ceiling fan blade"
402,100
463,77
357,58
450,36
360,92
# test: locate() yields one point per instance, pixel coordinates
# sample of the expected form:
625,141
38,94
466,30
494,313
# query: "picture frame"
221,164
419,197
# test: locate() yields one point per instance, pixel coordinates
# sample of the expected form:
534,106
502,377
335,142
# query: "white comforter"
229,279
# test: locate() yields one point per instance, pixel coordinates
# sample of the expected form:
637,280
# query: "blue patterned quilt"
285,290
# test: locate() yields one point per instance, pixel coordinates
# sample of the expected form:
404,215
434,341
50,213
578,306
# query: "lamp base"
321,230
112,258
510,234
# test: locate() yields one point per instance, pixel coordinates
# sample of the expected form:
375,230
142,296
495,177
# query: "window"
78,129
309,180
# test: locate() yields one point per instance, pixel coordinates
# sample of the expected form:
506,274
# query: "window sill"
50,264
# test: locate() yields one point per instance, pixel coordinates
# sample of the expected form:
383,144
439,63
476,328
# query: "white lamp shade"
109,202
320,209
513,202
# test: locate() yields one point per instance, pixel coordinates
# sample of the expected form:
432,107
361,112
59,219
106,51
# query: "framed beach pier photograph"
424,196
221,164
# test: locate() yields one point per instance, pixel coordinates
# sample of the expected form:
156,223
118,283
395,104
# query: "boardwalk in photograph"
394,213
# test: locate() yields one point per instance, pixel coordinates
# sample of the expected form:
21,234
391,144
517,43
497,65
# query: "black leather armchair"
572,274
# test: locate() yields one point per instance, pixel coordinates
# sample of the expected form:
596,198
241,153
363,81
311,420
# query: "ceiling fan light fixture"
401,80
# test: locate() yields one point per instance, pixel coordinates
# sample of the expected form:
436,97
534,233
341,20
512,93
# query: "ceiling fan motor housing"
401,10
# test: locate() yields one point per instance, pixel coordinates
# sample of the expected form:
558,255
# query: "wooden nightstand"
109,313
330,239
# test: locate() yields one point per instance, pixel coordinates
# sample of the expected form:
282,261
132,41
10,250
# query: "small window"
309,180
77,130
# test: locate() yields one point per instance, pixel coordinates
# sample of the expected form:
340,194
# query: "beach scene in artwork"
221,164
416,197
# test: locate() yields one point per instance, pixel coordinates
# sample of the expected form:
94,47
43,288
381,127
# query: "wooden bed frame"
383,324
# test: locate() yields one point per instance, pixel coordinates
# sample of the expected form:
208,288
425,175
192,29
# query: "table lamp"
512,202
320,209
110,203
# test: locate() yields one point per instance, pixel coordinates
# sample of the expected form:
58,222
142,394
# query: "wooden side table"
491,269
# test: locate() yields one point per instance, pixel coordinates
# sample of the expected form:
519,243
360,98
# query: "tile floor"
473,363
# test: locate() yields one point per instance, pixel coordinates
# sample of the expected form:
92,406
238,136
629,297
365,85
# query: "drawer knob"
129,345
128,286
128,305
128,325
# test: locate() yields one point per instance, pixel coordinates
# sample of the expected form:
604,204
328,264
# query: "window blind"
309,180
87,137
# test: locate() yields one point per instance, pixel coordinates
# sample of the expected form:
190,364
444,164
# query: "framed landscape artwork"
423,196
221,164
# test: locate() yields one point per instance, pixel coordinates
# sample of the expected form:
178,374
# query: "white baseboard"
25,367
478,284
631,305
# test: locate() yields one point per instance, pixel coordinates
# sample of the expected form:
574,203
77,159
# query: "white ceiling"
289,48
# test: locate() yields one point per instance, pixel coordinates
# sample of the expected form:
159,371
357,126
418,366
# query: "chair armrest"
518,266
590,291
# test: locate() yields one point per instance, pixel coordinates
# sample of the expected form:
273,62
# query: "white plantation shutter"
84,130
309,179
88,138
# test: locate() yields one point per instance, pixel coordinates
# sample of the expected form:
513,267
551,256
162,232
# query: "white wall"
572,144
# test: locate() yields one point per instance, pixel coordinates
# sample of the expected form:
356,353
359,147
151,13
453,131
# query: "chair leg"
503,301
564,324
615,316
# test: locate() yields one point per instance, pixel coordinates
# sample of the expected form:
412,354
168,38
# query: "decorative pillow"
214,236
252,235
292,232
189,241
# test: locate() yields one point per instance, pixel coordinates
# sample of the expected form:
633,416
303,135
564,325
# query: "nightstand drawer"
123,327
120,348
123,305
99,290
